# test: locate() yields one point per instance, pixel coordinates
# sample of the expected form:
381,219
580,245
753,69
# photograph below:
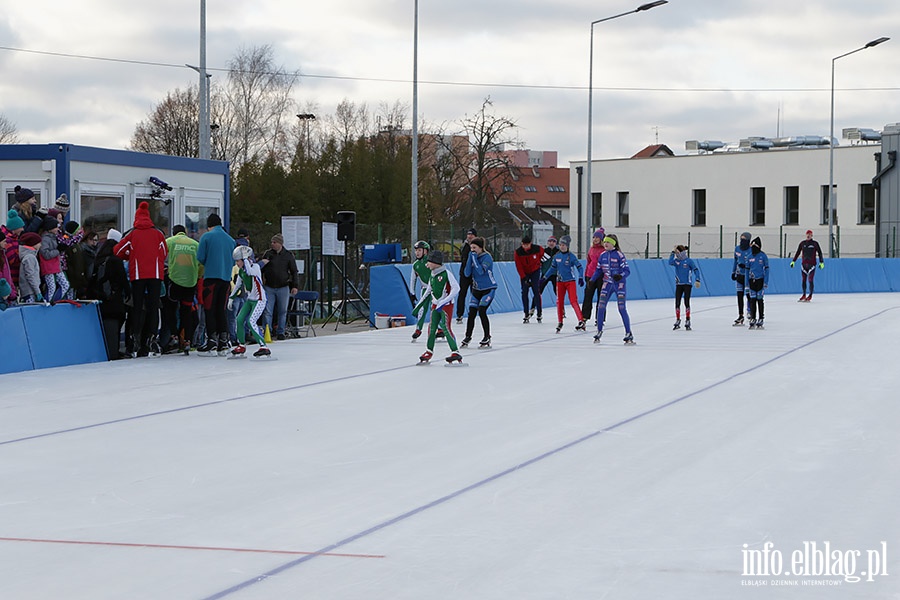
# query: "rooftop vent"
861,135
704,146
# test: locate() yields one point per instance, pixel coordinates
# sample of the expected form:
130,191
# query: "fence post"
721,240
781,241
689,242
837,242
894,245
657,240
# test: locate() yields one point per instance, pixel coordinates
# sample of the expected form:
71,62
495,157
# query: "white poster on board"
330,244
296,233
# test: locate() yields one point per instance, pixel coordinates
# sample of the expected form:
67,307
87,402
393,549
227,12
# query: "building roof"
654,151
547,186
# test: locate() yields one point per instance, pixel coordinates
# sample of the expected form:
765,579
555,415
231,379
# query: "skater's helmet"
422,244
242,253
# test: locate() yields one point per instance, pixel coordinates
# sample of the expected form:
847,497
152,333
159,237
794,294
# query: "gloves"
39,297
821,265
697,284
230,304
742,266
581,282
617,277
734,276
792,264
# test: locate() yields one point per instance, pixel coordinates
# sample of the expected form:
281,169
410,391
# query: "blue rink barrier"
654,278
39,337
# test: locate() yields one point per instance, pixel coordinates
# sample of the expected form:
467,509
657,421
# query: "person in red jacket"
528,264
144,247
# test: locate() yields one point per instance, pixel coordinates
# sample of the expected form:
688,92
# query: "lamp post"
306,118
831,193
414,192
204,126
589,192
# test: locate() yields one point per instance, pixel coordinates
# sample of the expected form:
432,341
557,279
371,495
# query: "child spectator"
72,260
10,232
5,291
51,268
30,268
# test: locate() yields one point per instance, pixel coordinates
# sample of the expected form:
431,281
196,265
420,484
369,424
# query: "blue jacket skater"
566,266
610,264
684,268
480,267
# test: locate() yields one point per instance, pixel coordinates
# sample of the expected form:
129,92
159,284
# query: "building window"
825,203
556,188
160,213
195,216
698,208
622,213
596,209
556,213
758,206
791,205
100,213
530,188
866,204
507,188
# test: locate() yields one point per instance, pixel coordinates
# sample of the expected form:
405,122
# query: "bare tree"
350,122
8,132
172,126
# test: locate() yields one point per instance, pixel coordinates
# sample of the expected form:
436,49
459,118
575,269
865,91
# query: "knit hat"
436,257
142,218
29,239
49,223
23,194
114,235
213,220
471,231
62,203
552,238
243,233
55,212
756,242
600,233
278,239
809,232
72,227
566,239
14,221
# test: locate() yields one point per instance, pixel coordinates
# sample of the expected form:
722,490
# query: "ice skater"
528,259
810,249
250,280
758,274
739,274
567,268
422,274
480,269
612,269
442,290
685,270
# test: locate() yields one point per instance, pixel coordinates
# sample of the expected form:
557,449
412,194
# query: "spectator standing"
280,279
214,253
27,207
109,284
51,265
72,260
10,232
183,272
30,270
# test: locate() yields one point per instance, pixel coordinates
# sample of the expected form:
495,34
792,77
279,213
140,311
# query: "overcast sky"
691,69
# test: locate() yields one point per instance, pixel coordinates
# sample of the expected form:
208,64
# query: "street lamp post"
205,129
414,192
831,193
306,118
589,191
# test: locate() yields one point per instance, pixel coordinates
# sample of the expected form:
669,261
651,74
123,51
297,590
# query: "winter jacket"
49,254
741,256
565,266
758,267
464,251
611,264
144,247
250,281
12,255
30,273
684,267
593,254
281,270
480,267
442,287
420,272
5,291
809,249
72,260
6,274
547,260
528,261
214,253
109,283
184,268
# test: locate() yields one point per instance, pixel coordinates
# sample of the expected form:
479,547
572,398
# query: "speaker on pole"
346,226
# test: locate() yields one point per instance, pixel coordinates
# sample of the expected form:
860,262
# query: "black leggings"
683,289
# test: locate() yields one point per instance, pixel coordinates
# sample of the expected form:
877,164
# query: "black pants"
145,295
464,284
532,282
215,302
591,289
179,312
476,308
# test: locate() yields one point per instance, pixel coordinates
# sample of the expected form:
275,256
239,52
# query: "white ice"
548,468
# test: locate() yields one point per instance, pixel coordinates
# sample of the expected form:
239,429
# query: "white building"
706,199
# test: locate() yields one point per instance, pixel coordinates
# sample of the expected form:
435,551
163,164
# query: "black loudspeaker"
346,222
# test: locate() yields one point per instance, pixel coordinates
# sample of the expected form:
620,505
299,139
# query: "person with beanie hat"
758,282
481,269
464,282
5,291
62,203
144,247
9,295
28,210
72,259
51,263
685,270
567,269
30,270
612,270
528,258
810,249
9,235
14,221
281,279
442,289
114,235
214,253
591,288
739,274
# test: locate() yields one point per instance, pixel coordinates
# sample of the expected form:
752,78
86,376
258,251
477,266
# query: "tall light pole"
306,118
589,191
204,88
414,193
831,193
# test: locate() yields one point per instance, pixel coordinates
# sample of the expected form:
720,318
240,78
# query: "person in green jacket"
183,271
422,273
442,290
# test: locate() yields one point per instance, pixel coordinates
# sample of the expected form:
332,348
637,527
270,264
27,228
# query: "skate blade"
238,357
423,363
457,363
263,358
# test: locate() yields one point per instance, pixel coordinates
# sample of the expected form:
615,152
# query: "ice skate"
802,298
628,339
459,320
739,322
582,325
808,298
530,313
239,351
416,334
153,346
455,357
485,342
558,327
206,349
752,324
687,325
539,318
759,323
222,346
263,352
465,342
526,319
597,337
677,324
439,334
426,356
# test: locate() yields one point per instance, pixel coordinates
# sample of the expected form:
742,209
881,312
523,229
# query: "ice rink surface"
712,464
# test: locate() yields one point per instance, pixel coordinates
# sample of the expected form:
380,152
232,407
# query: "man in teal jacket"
214,253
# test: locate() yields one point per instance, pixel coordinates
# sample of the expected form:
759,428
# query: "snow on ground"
549,468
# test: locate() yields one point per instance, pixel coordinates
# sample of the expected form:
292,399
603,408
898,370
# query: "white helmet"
242,253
